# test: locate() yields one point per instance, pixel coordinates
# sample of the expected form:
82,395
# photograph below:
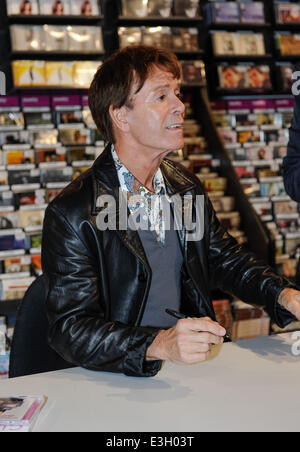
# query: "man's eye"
162,97
180,96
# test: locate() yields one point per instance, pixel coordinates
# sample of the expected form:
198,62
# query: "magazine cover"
55,7
26,7
84,8
160,8
187,8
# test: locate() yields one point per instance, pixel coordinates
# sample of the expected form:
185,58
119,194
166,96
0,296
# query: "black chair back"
30,352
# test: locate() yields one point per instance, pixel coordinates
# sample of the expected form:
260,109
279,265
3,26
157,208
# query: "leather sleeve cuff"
278,314
135,364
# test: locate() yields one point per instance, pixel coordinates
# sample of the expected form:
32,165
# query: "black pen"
178,315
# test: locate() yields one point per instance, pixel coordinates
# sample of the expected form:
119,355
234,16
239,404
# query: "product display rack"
260,241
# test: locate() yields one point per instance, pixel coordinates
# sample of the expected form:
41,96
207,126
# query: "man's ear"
119,117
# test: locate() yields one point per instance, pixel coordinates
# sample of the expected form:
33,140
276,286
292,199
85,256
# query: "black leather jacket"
99,280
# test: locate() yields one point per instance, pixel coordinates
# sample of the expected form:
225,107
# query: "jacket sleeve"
291,163
238,272
79,330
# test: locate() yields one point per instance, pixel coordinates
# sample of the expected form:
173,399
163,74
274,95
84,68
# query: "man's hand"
188,342
290,300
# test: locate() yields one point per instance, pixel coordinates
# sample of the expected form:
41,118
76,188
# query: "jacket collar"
106,181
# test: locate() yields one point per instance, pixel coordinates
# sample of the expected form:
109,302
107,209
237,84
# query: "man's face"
155,123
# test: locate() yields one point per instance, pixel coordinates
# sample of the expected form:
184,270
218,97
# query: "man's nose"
178,106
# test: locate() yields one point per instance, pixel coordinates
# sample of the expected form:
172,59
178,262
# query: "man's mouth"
174,126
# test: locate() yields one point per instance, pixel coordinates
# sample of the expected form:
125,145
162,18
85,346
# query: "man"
108,288
291,163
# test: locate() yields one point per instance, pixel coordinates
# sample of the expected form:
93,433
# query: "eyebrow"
164,86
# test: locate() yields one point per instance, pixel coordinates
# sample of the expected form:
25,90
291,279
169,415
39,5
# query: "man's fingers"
204,324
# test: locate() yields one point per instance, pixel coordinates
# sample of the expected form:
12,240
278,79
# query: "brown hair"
113,82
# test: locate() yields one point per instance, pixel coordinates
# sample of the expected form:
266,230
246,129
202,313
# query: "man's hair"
114,80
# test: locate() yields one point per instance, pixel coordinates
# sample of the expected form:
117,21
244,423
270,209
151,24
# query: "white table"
250,385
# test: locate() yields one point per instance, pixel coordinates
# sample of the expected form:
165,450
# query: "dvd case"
160,8
84,8
11,120
185,39
84,39
287,13
225,43
186,8
130,36
37,119
56,38
193,72
75,136
26,7
50,155
55,7
134,8
252,13
26,38
232,77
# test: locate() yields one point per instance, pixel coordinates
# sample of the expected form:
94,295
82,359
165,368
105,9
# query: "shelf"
54,55
50,19
225,58
239,26
158,20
